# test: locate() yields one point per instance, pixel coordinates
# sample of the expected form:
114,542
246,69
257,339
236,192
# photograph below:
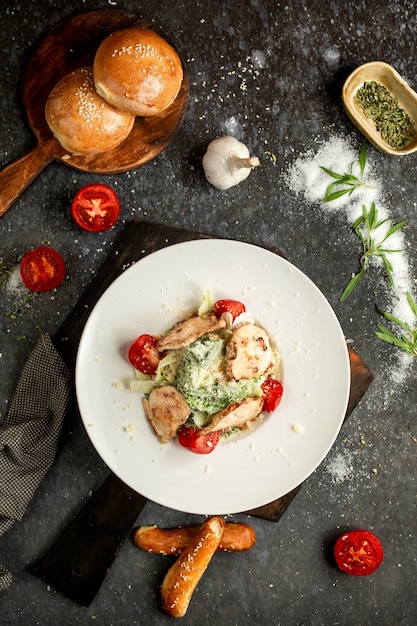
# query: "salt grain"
340,468
15,285
339,154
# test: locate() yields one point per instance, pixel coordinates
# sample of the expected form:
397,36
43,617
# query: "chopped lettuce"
165,374
168,366
207,303
198,419
142,383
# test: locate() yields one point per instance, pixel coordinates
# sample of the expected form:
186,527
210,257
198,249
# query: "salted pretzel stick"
183,577
236,537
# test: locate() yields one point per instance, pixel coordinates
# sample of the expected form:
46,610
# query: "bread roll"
81,120
236,537
136,70
183,577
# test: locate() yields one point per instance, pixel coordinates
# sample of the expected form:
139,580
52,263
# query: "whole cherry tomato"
143,354
358,552
95,207
273,391
42,269
234,307
192,439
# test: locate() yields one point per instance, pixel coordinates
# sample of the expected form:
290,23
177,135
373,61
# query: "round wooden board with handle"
70,45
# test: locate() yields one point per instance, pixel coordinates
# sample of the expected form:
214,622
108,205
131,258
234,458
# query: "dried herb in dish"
394,124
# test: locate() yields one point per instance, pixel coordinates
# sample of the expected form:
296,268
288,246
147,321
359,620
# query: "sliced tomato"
273,391
95,207
234,307
143,354
358,552
193,440
42,269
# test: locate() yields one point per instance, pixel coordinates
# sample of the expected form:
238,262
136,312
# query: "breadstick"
183,577
236,537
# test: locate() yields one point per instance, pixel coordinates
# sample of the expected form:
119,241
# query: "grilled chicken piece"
235,415
167,410
192,329
249,352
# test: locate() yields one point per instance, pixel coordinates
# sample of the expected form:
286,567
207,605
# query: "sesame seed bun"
136,70
81,120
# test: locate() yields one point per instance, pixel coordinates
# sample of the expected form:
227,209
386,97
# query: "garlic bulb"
227,162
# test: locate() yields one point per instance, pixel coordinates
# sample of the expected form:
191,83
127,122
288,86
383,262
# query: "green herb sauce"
201,378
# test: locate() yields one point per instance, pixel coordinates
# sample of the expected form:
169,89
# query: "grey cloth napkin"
30,433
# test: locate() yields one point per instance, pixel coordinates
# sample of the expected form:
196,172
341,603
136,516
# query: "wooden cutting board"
70,45
81,558
136,241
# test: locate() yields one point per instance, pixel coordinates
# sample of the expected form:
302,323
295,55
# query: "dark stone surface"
271,74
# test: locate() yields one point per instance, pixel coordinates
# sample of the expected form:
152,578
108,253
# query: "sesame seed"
87,108
145,50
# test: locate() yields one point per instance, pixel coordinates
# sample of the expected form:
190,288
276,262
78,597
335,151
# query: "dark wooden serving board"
137,240
78,563
70,45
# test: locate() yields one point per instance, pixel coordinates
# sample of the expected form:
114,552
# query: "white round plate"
248,470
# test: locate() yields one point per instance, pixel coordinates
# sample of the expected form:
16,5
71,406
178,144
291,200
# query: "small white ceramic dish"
248,470
386,75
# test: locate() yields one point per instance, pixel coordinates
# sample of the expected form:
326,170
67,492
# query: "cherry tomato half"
358,552
234,307
192,439
273,391
95,207
143,354
42,269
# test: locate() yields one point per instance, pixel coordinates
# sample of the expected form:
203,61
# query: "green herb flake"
272,156
391,121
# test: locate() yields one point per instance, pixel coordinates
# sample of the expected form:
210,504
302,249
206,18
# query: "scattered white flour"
231,125
306,177
258,59
340,467
18,297
332,57
15,286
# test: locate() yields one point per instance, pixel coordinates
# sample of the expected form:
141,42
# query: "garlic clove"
227,162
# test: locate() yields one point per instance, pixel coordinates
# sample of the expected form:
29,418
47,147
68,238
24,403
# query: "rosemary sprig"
365,227
346,183
408,342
